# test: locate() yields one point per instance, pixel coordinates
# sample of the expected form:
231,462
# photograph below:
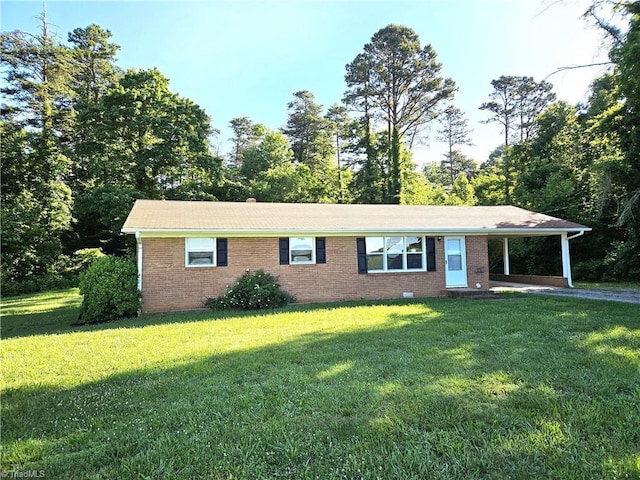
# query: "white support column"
505,255
566,259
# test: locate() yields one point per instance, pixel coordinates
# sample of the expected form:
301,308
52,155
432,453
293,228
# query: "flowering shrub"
252,291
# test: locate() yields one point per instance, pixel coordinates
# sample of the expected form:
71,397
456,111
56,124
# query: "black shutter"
362,255
321,252
221,251
284,251
431,254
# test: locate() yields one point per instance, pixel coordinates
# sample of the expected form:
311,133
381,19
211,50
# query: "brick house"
189,251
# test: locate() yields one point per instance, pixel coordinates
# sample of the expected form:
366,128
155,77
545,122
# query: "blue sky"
246,58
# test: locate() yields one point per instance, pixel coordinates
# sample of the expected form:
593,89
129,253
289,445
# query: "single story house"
189,251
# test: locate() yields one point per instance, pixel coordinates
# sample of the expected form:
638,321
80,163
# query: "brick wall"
477,262
168,285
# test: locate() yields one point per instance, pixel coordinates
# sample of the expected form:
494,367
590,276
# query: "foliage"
405,92
35,202
308,131
147,138
515,103
110,290
245,134
100,213
82,139
253,291
454,130
93,58
269,149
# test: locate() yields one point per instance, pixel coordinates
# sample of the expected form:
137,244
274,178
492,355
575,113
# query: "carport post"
505,255
566,259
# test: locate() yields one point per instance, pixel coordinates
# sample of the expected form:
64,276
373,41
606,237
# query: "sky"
247,58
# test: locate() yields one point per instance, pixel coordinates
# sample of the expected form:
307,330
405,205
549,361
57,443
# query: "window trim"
405,253
188,250
305,262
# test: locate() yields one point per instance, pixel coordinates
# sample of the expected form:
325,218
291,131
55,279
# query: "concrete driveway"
615,295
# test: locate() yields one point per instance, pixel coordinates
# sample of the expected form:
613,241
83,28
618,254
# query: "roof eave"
522,231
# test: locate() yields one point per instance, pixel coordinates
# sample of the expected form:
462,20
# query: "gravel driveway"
616,295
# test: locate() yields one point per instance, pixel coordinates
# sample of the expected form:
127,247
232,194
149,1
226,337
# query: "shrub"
37,283
64,273
252,291
82,259
110,290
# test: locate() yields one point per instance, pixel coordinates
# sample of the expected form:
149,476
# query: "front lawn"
518,387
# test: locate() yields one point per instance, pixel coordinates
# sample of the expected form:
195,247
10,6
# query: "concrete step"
472,293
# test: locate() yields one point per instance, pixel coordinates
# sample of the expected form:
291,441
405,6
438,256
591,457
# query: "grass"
614,286
519,387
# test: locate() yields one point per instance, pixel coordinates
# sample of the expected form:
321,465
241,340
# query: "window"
388,254
301,250
200,252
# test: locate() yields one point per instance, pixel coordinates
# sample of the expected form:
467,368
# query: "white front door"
455,259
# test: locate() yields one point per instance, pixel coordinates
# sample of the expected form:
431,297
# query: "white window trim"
404,269
305,262
187,250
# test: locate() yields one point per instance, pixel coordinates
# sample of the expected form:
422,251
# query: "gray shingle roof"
257,218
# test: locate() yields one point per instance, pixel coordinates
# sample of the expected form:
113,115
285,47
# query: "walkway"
615,295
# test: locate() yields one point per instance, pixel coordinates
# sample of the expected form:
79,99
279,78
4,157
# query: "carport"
539,226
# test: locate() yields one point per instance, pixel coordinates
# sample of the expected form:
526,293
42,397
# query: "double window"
205,252
395,253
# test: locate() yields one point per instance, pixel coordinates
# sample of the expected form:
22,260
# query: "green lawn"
518,387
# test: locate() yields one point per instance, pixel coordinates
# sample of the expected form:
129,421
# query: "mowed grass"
518,387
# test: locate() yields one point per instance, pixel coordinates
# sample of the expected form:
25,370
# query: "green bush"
80,261
63,273
110,290
253,291
37,283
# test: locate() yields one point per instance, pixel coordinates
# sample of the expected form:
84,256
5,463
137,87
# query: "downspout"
579,234
139,259
566,258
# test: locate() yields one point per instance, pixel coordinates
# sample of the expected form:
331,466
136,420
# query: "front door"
455,259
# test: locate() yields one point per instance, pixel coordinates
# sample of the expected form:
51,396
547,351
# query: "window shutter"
431,254
362,255
321,252
284,251
221,249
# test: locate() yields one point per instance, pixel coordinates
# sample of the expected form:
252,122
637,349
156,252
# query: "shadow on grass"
507,394
63,318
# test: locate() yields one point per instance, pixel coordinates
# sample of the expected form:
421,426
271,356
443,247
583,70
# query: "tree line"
82,139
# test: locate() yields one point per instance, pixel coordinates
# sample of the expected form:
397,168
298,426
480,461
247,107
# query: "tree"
462,192
34,124
245,134
454,130
360,97
94,73
490,183
401,81
338,122
93,58
148,138
551,173
269,149
308,131
624,120
515,103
